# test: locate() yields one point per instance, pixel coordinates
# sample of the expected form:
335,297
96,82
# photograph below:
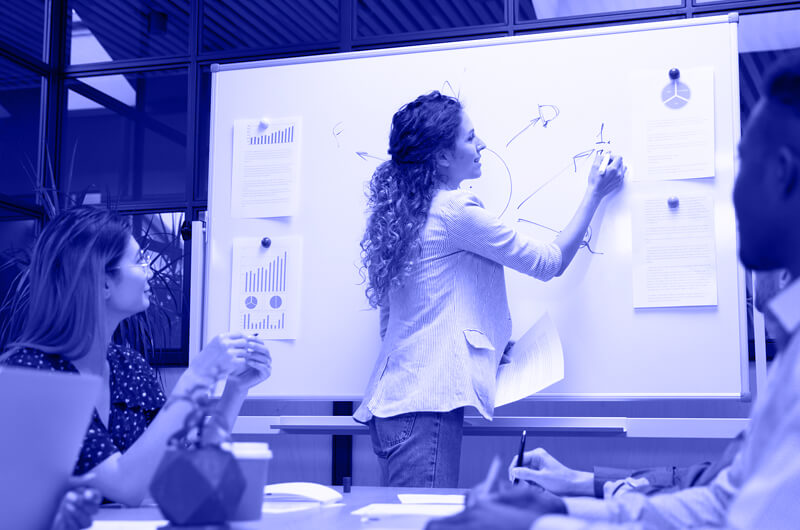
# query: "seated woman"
88,274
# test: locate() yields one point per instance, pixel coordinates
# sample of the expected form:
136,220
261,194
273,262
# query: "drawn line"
336,133
510,181
584,243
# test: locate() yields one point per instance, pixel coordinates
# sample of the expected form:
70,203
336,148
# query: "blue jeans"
419,449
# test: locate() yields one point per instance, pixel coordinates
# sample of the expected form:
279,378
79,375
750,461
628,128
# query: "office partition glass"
125,136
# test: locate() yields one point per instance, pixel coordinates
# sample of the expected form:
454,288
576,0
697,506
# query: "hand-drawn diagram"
547,113
337,130
507,181
364,155
447,87
601,146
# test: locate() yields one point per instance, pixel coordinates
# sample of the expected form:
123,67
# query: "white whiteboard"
346,102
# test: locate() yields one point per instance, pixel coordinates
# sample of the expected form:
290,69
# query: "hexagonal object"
197,486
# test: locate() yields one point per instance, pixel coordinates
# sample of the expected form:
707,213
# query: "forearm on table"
583,484
126,477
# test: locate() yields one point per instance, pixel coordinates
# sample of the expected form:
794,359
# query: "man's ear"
788,171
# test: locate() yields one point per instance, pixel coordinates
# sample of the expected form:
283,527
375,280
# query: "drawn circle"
676,95
275,302
251,302
495,186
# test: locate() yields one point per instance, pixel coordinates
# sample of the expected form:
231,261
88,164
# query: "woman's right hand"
602,184
223,354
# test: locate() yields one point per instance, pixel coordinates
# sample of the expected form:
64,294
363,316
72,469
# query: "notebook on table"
43,420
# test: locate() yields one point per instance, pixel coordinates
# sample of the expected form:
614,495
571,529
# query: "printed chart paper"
265,287
537,361
673,125
266,168
674,254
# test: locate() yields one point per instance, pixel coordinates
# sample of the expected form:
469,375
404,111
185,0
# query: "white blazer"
445,329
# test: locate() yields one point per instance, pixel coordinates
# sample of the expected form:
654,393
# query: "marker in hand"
604,163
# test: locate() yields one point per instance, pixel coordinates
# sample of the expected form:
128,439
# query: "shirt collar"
785,307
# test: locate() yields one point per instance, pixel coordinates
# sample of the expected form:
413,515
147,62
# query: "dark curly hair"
401,190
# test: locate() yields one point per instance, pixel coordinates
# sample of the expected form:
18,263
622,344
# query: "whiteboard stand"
196,290
705,428
237,94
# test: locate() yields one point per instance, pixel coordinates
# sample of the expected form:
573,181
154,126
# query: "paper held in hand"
537,361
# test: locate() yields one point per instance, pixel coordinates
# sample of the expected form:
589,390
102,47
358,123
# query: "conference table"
300,515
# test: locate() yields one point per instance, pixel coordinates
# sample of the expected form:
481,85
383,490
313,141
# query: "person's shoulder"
127,358
457,199
139,386
37,360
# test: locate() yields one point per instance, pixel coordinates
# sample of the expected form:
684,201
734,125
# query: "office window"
159,236
20,96
17,233
243,24
113,30
125,138
528,10
763,39
23,25
392,17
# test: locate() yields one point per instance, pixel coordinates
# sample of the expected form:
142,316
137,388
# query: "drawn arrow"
364,155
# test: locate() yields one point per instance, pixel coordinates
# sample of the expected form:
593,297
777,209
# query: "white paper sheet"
537,361
265,287
386,510
128,525
271,506
673,125
266,168
674,254
421,498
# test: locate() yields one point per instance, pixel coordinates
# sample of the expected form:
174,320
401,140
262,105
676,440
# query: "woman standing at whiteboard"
434,259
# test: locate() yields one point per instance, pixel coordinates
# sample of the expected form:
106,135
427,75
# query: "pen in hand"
521,454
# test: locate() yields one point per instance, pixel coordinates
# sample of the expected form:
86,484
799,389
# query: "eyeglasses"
144,260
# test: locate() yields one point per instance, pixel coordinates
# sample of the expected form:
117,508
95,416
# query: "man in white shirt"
761,488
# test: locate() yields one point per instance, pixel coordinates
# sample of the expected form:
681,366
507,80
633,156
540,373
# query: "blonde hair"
59,301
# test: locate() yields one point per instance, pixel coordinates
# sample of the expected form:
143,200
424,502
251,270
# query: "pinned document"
674,254
265,287
266,167
673,124
536,362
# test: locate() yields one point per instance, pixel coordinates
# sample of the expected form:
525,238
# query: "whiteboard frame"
197,313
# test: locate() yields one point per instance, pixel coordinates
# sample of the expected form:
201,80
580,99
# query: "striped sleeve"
470,227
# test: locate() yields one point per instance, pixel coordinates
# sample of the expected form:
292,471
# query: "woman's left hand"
257,366
77,508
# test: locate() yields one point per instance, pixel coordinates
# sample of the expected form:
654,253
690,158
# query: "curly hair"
401,190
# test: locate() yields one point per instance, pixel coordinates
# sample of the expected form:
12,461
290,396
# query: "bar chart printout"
266,167
266,287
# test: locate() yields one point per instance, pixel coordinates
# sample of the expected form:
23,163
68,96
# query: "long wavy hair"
59,302
401,190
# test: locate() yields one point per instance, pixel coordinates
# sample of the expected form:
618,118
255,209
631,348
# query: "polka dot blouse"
136,398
